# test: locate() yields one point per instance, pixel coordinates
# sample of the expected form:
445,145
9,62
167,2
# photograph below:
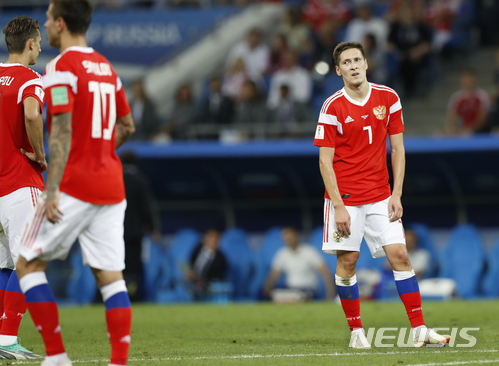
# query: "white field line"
457,363
336,354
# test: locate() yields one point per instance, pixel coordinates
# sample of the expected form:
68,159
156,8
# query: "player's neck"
70,40
357,92
20,58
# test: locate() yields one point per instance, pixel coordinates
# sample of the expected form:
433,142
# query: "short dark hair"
18,31
343,46
76,13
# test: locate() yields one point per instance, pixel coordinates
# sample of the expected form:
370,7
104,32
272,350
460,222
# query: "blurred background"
225,95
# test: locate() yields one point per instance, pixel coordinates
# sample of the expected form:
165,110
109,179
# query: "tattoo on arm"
59,147
124,129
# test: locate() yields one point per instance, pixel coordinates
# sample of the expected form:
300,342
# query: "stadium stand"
491,279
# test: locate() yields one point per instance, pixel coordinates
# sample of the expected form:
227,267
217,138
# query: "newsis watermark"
403,337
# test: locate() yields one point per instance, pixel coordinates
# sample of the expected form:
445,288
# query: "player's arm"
398,168
124,129
34,129
59,147
341,215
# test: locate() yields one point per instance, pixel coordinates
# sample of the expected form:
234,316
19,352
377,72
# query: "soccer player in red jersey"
352,131
88,118
22,161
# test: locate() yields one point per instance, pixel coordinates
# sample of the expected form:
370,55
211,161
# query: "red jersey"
469,105
358,132
83,82
16,170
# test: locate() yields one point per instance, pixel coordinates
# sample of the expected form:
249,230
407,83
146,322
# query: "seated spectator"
301,264
207,265
277,48
468,107
184,114
295,77
440,14
253,52
376,58
295,32
366,23
250,107
410,39
419,257
316,12
143,112
216,108
234,78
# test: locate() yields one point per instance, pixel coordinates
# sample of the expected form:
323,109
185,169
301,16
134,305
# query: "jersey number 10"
101,91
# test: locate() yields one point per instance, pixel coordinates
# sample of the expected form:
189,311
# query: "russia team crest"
380,112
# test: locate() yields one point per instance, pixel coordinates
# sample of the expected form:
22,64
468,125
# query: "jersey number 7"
101,91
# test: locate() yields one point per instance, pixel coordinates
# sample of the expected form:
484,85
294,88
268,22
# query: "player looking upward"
22,161
352,130
88,118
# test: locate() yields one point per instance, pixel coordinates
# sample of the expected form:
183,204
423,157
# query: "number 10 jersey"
83,82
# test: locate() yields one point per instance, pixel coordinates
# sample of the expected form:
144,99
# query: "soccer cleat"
358,339
427,337
17,352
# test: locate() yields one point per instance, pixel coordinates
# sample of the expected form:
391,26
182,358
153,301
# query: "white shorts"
370,221
15,211
98,228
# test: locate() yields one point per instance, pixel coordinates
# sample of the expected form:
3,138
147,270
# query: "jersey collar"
363,103
9,65
79,49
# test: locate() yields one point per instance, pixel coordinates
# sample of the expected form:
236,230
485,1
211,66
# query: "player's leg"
103,250
5,269
118,313
42,242
347,252
382,235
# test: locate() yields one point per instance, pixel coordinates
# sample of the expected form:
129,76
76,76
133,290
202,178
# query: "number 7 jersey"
358,131
83,82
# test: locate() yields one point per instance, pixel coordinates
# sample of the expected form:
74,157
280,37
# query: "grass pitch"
268,334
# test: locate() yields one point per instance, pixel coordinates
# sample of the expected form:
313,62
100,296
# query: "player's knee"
348,261
23,267
401,258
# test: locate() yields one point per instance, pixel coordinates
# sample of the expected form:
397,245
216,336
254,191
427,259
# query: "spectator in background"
377,60
326,42
440,14
278,47
184,114
295,77
316,12
494,114
301,264
234,78
254,53
419,257
143,112
468,107
207,264
410,39
366,23
250,107
216,108
295,31
140,218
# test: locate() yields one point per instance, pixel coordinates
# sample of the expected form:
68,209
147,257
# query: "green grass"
211,335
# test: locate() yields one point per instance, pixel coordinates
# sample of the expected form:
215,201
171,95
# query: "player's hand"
52,207
395,210
33,157
342,219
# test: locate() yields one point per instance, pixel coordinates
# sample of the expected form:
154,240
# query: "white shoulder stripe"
396,107
50,68
329,119
25,85
331,99
119,84
61,78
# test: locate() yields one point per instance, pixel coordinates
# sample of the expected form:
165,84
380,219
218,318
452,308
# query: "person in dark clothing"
217,108
143,112
207,264
140,218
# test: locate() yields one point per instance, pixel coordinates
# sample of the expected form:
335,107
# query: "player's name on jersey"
100,69
6,80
